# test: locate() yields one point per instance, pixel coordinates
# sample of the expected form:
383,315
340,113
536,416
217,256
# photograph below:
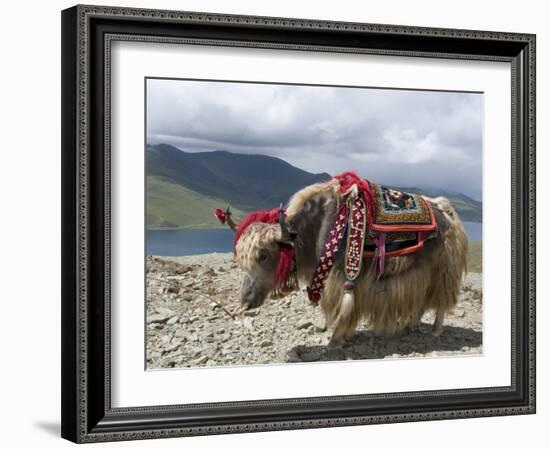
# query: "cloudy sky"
396,137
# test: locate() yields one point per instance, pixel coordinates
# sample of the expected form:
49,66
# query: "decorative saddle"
375,222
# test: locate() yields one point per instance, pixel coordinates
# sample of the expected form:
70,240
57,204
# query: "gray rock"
173,320
157,318
311,355
320,325
170,348
335,353
181,333
265,343
173,288
165,311
304,323
201,360
247,323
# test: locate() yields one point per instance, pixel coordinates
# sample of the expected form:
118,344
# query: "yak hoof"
349,335
437,331
336,341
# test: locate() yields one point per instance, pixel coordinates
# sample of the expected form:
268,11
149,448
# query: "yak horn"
230,221
285,233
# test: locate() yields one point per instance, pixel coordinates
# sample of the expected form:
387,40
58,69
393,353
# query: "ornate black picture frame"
87,33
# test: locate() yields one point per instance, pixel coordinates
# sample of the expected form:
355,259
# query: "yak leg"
337,338
437,327
352,326
350,332
414,324
341,335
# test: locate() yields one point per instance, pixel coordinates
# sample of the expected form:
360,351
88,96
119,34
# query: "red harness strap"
351,221
328,255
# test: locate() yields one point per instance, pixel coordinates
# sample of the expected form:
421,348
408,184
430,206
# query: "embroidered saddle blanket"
405,219
374,221
400,211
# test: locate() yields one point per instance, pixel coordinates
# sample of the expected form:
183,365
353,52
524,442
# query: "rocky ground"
190,322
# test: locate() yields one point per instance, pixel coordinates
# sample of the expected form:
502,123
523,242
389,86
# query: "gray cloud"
399,137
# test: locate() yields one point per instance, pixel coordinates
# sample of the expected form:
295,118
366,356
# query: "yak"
270,244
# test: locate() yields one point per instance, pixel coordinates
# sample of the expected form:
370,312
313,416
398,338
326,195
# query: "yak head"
264,250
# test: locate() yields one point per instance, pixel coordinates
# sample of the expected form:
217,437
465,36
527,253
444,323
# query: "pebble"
173,320
157,318
292,356
304,323
170,348
247,323
166,312
181,333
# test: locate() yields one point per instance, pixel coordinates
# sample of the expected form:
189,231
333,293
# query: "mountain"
247,182
183,189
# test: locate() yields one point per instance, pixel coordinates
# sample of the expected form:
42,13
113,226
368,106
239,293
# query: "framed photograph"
276,224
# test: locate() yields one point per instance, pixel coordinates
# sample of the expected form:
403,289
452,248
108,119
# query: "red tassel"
285,264
221,215
286,279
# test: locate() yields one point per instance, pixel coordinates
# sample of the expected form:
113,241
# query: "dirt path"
189,323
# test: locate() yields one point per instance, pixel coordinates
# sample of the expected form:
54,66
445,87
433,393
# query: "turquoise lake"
187,242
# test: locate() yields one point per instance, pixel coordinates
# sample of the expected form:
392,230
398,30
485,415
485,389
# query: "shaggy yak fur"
428,279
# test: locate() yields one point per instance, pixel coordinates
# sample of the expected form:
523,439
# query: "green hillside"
467,208
172,205
246,181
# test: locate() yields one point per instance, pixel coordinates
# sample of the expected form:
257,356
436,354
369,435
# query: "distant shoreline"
176,228
206,228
